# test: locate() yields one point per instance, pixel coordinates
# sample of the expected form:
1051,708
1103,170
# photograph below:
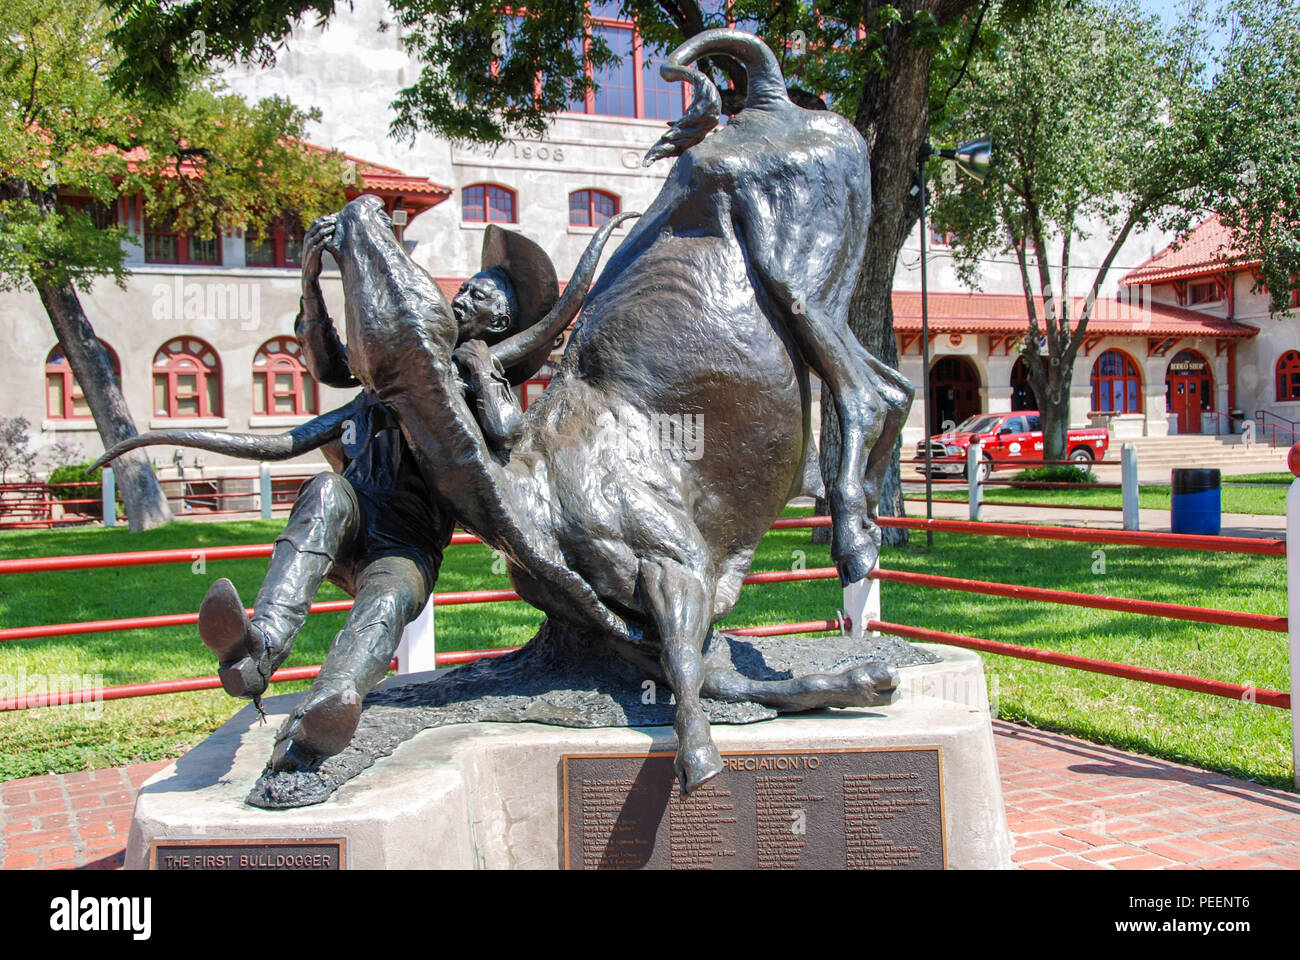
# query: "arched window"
1116,384
1288,375
591,208
63,397
281,384
488,203
186,379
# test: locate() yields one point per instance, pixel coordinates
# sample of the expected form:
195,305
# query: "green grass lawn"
1236,498
1242,739
1284,478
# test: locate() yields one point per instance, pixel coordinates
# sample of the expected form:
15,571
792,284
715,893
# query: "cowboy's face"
483,305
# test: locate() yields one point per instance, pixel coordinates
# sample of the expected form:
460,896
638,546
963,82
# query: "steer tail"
247,446
766,86
513,349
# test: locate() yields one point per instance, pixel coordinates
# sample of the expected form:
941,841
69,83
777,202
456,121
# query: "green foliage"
480,68
1090,108
1251,128
72,473
15,444
1060,473
66,132
1094,111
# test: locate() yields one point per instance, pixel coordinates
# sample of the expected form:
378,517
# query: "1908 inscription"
233,854
825,809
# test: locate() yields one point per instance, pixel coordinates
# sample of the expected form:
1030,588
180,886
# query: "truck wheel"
985,468
1081,455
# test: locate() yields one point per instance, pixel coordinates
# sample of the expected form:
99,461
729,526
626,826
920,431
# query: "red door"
1188,389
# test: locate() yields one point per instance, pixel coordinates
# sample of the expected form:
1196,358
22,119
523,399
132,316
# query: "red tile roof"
1203,251
371,178
383,179
1007,313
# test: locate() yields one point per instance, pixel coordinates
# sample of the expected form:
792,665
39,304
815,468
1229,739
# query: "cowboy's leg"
323,530
391,591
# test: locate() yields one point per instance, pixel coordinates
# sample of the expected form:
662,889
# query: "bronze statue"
374,528
729,288
623,528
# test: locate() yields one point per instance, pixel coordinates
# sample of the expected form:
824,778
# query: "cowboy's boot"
245,659
393,590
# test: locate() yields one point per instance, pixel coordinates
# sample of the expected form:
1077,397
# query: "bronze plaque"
237,854
773,810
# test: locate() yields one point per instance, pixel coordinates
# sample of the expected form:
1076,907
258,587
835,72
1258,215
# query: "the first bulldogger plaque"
785,810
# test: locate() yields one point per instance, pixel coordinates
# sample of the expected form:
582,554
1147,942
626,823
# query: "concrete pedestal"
487,795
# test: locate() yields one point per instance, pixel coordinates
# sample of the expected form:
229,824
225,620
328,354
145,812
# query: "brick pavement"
1070,804
1080,806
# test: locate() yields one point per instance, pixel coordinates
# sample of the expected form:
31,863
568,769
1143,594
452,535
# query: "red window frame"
186,356
279,357
476,204
285,243
1287,377
1203,291
59,377
582,207
183,245
1103,383
642,65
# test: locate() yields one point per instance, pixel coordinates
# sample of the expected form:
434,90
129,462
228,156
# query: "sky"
1168,10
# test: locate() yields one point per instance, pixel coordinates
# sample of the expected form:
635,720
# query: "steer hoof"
856,552
697,766
320,728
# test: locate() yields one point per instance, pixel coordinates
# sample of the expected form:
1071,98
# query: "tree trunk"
146,507
1052,387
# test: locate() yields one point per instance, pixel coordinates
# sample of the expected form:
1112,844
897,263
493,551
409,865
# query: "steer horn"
514,349
766,86
247,446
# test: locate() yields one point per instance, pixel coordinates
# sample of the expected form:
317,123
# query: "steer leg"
680,605
845,367
870,684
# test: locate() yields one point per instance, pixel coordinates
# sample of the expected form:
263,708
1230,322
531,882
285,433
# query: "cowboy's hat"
536,289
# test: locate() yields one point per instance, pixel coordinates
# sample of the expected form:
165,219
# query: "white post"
861,606
975,489
264,486
1128,470
415,652
1293,603
108,497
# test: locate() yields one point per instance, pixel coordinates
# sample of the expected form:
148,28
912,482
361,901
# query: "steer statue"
628,500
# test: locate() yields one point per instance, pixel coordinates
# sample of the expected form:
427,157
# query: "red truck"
1007,440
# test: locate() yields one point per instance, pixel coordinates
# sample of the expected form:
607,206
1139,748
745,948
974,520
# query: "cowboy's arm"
323,352
495,406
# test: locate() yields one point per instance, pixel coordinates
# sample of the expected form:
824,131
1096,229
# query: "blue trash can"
1196,503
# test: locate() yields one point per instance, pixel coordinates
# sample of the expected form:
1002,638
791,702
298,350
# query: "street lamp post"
971,159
